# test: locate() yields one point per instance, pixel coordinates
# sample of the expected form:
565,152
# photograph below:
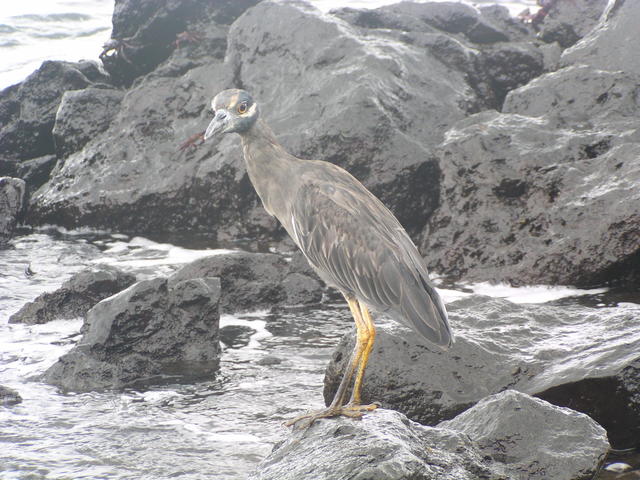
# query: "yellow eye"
242,108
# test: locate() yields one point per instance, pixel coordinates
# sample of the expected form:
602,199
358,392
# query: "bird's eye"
242,108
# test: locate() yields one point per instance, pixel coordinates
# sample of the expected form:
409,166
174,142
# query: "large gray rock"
536,440
76,296
35,172
148,333
82,114
252,281
609,46
12,199
371,105
527,194
384,445
28,109
568,22
570,356
506,436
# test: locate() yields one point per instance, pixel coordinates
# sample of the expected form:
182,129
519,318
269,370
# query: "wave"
53,17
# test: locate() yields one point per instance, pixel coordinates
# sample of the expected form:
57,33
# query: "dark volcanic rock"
35,172
76,296
9,396
527,194
534,438
28,109
384,445
146,32
568,22
82,115
145,334
371,105
570,356
253,281
12,192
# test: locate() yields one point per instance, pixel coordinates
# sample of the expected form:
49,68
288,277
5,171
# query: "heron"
348,236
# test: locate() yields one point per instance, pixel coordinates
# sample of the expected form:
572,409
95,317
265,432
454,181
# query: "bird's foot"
349,410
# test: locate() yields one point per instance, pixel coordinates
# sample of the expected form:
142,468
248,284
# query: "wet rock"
570,356
145,33
384,445
606,46
8,396
12,191
252,281
535,439
568,22
236,336
400,100
149,333
76,296
35,172
28,109
526,195
82,114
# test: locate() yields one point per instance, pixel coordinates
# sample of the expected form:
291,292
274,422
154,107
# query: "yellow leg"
369,340
364,343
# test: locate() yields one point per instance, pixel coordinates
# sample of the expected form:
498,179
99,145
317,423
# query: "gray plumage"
348,236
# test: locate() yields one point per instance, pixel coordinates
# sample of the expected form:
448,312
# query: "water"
32,31
215,429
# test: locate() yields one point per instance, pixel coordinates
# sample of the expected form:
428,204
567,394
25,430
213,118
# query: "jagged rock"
8,396
35,172
252,281
82,114
384,445
570,356
146,32
146,334
527,194
399,98
535,439
12,192
568,22
28,109
76,296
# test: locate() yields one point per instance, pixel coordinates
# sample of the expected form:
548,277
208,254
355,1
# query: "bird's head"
235,112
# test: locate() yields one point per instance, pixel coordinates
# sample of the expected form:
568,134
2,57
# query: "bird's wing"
357,245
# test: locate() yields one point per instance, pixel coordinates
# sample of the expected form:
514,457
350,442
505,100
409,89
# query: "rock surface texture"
146,334
535,439
253,281
8,396
507,436
570,356
76,296
12,193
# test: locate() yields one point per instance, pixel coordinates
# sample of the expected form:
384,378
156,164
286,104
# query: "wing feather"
356,244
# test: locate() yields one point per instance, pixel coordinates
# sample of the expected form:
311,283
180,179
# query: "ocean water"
32,31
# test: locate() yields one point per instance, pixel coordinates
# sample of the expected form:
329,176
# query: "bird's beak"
218,124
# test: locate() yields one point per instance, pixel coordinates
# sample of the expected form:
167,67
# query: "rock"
384,445
252,281
82,115
572,356
535,439
606,47
400,100
148,333
35,172
236,336
566,23
8,396
146,32
76,296
12,201
28,109
526,195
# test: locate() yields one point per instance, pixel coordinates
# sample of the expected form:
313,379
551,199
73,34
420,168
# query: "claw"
349,410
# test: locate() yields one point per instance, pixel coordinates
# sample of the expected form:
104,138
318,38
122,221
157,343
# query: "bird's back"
357,245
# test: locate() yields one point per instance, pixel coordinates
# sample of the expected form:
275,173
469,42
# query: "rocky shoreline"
509,153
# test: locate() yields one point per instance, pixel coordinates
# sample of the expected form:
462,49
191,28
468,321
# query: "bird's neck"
270,168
